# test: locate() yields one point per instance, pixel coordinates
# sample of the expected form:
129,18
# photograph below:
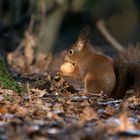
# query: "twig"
101,27
30,29
29,92
31,24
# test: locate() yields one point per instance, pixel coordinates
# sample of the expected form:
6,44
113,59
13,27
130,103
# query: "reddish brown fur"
100,73
95,69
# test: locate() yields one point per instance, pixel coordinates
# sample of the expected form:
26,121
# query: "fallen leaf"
88,114
3,110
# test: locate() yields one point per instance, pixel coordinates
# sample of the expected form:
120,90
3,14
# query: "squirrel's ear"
84,34
80,45
83,38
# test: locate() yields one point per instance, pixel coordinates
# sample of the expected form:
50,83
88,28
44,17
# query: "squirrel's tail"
127,69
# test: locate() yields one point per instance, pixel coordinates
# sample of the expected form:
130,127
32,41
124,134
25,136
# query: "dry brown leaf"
22,111
53,116
29,46
110,110
122,114
88,114
17,61
3,110
125,123
41,93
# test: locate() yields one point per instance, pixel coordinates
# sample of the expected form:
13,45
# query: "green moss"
6,81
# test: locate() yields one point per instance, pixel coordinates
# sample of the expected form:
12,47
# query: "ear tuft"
83,38
84,34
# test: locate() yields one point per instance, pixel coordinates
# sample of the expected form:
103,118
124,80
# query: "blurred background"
57,23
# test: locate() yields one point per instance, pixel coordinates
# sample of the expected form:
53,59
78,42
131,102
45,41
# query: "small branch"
31,24
101,27
29,92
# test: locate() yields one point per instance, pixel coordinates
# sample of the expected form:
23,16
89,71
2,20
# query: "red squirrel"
99,72
95,69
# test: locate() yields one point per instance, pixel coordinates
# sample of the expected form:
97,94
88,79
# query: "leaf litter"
53,107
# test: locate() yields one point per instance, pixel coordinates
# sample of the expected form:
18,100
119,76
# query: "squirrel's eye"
71,52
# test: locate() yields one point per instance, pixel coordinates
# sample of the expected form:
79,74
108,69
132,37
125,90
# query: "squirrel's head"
75,53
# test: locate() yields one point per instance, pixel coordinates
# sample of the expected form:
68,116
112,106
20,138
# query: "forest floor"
54,108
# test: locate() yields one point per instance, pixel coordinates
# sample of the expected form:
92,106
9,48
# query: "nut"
67,67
